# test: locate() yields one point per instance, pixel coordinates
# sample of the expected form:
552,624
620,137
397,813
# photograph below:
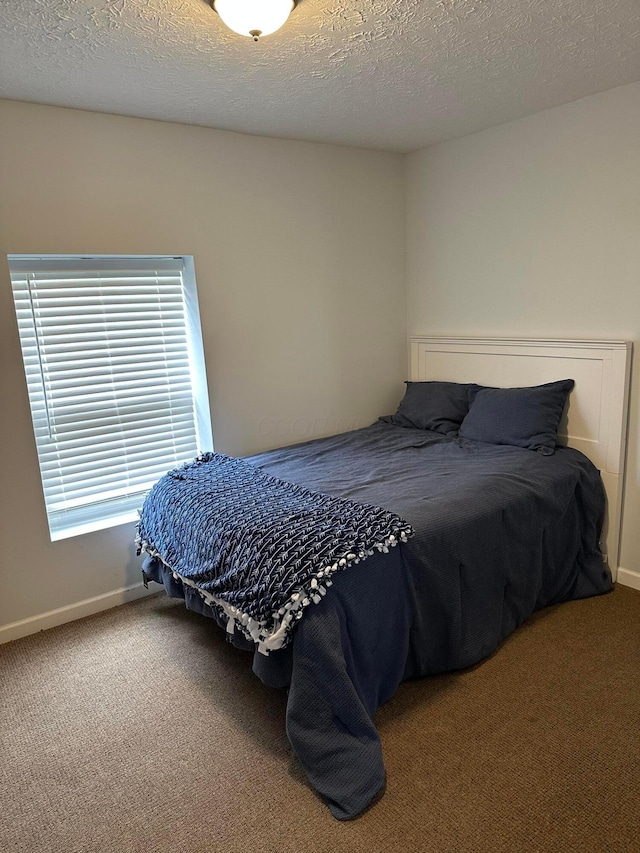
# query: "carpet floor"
141,729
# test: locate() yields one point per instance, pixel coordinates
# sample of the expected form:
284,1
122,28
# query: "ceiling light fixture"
254,18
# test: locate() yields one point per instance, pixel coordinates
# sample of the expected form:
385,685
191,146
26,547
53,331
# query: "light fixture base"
254,18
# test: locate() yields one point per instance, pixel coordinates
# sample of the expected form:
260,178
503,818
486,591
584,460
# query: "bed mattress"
499,533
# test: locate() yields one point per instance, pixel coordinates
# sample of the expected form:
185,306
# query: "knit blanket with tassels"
259,550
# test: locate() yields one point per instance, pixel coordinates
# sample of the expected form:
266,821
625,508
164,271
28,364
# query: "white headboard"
596,420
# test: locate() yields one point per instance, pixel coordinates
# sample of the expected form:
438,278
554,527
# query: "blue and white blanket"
256,548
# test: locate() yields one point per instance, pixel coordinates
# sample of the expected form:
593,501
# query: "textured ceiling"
390,74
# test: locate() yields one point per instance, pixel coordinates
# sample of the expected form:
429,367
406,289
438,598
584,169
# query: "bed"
475,527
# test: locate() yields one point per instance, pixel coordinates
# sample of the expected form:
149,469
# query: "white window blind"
113,358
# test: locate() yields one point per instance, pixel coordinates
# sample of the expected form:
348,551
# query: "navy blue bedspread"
499,533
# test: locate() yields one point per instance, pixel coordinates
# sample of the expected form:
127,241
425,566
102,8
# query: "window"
113,356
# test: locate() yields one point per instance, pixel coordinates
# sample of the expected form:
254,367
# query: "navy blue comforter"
499,533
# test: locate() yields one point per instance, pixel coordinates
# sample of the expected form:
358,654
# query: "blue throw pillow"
438,406
524,417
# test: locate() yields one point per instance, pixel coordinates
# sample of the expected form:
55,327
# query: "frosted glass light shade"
254,18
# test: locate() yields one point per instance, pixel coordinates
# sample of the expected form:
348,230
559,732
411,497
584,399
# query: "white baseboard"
628,578
88,607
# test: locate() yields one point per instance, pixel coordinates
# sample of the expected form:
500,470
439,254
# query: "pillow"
524,417
438,406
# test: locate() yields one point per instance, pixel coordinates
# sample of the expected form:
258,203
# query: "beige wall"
299,253
533,229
